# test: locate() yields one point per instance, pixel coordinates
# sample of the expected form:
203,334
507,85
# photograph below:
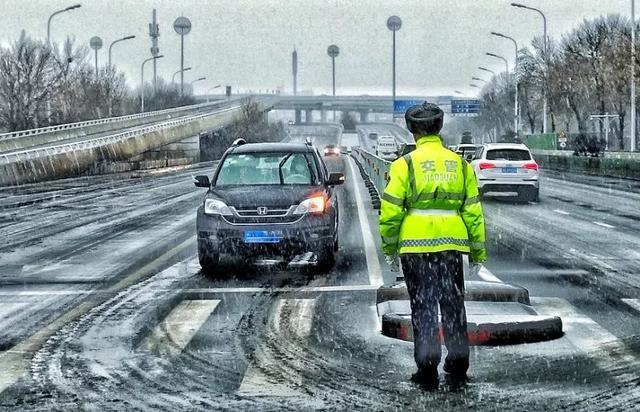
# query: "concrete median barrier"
474,291
488,323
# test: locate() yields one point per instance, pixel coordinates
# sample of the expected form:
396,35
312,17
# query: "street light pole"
633,76
506,63
479,79
212,88
118,41
544,21
142,80
515,77
173,78
394,23
75,6
333,51
484,69
197,80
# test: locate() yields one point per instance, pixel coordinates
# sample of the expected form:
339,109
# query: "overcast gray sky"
248,43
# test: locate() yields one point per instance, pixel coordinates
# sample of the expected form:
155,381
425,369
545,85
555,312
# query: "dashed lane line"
373,264
604,225
562,212
173,334
634,303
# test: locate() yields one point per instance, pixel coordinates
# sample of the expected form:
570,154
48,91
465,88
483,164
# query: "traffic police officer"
430,216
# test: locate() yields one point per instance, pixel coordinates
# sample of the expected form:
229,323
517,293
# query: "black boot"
457,369
426,377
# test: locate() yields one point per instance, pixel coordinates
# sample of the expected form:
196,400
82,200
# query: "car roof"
272,147
519,146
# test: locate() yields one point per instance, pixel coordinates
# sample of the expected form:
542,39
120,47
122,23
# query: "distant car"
466,151
269,199
331,150
373,136
387,148
505,168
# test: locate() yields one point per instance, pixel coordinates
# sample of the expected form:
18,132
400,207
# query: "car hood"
276,196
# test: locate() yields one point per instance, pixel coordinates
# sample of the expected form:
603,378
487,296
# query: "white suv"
507,169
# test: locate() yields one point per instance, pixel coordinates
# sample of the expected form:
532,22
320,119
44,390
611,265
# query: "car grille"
271,216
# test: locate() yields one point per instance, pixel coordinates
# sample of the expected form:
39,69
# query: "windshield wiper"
282,162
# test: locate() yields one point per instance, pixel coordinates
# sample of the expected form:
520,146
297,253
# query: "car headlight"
216,207
316,204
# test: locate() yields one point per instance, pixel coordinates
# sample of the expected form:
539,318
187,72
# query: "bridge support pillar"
298,116
363,116
323,116
308,116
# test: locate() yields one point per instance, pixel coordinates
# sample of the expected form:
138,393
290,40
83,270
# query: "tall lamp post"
544,21
212,88
142,80
515,76
75,6
199,79
479,79
484,69
394,23
632,146
182,26
333,51
118,41
96,44
173,78
506,63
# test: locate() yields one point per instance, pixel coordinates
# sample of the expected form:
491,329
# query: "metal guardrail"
35,153
376,168
70,126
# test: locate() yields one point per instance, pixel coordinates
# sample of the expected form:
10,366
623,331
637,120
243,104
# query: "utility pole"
154,33
294,66
633,76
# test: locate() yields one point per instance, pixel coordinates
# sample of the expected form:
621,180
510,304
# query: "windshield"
267,169
513,155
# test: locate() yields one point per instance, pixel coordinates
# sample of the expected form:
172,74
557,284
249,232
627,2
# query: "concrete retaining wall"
625,165
80,161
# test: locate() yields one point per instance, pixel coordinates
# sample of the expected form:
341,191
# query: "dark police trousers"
432,279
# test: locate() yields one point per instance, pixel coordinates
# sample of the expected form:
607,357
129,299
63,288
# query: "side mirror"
335,179
202,181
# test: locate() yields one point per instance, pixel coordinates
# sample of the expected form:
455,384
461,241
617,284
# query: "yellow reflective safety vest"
431,204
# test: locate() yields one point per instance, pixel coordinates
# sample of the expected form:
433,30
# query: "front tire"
326,258
209,260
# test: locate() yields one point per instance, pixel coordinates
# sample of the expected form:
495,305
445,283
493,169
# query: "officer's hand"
393,261
474,269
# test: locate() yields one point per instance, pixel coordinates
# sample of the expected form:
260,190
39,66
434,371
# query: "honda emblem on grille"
262,210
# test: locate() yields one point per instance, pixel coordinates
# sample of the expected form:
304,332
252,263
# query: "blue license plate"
509,170
263,236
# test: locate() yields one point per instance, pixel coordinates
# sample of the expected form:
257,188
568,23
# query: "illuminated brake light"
531,166
484,166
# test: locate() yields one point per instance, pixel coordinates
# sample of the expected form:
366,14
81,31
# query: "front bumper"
310,233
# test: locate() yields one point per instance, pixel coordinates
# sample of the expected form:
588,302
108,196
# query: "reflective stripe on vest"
433,212
441,241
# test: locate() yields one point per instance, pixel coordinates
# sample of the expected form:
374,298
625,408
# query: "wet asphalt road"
104,308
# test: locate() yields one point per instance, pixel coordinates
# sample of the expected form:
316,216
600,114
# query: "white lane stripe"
604,225
174,333
562,212
485,274
298,321
307,289
339,288
373,264
589,337
634,303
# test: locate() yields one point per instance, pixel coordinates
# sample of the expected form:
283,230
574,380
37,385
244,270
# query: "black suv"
269,199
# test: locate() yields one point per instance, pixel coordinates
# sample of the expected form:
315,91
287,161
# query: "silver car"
507,169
